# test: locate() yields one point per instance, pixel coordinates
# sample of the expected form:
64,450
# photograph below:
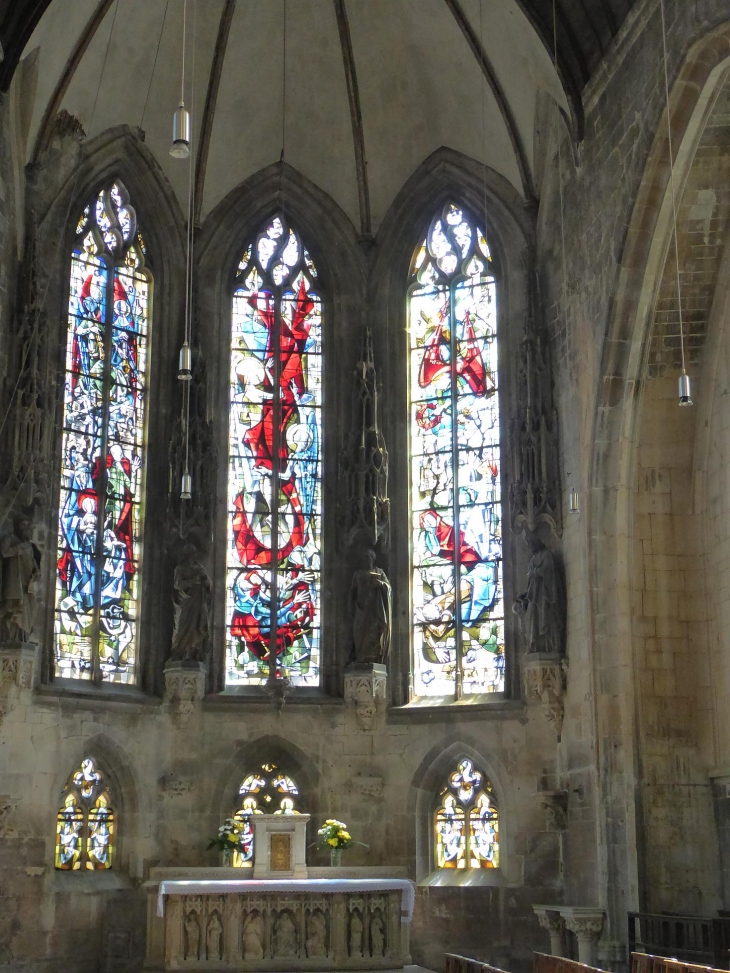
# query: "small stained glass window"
466,823
265,791
273,612
456,518
103,445
86,823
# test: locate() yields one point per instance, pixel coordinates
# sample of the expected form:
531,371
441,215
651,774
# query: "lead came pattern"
276,286
458,611
99,540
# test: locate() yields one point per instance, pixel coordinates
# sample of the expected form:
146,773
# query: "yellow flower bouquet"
333,837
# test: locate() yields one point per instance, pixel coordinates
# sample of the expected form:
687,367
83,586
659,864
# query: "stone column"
365,684
586,924
550,919
184,688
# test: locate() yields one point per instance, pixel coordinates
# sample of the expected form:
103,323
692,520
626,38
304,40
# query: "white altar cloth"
230,886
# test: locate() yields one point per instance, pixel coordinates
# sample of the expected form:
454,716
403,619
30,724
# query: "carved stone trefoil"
364,460
544,681
534,493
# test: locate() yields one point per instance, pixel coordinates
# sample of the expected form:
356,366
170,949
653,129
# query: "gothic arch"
445,174
332,241
613,470
426,784
128,799
58,190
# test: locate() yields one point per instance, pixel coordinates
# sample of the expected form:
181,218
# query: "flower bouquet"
227,840
333,837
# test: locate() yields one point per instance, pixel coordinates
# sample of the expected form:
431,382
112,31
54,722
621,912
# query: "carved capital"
364,686
550,919
586,924
184,688
544,682
585,928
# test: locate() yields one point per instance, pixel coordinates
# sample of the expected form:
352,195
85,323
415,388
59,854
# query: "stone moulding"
544,683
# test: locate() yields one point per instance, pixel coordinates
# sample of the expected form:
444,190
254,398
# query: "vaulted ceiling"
359,92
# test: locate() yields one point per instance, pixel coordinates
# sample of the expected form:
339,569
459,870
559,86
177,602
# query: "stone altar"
337,919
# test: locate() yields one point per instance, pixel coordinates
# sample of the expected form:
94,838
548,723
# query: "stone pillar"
550,919
17,662
544,681
365,684
184,688
586,924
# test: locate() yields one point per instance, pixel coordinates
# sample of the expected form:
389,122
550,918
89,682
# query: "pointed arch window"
466,823
86,822
265,791
103,445
273,610
456,525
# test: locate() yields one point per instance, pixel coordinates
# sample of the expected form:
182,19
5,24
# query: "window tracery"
274,471
86,822
456,527
466,823
265,791
103,445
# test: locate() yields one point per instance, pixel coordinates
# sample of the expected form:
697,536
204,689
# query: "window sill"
426,709
466,878
110,693
238,695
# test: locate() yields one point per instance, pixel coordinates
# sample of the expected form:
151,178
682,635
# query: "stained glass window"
265,791
99,535
466,823
85,825
458,605
274,471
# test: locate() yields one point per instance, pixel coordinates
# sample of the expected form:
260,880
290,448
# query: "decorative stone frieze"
184,688
551,920
544,682
586,924
17,663
365,684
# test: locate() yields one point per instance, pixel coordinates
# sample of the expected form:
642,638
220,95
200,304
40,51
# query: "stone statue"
355,935
21,562
377,936
542,605
253,936
213,937
192,936
285,936
316,934
370,609
191,598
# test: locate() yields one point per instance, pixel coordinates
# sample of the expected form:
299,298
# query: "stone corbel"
556,809
365,684
184,688
544,681
17,662
550,919
586,924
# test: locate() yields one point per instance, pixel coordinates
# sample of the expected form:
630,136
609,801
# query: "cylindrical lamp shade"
180,133
185,367
685,390
186,489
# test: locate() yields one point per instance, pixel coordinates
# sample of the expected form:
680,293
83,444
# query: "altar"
225,919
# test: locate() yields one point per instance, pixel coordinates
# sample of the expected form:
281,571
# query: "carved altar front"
338,919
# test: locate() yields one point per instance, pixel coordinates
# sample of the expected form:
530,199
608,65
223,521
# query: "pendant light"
180,148
684,385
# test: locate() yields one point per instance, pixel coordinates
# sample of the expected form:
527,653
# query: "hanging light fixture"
186,487
684,385
574,501
185,363
180,148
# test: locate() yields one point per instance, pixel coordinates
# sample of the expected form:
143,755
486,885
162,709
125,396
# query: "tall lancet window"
275,456
458,618
100,520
